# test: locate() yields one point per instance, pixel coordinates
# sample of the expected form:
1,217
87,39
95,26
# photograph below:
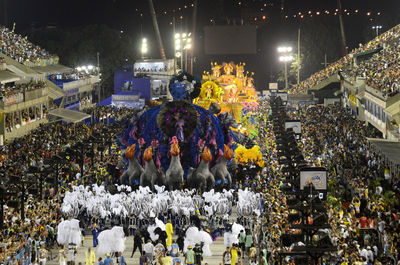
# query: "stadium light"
183,42
284,49
89,69
377,28
285,58
144,48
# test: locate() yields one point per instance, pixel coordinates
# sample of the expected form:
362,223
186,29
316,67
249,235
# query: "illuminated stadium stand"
369,81
371,89
30,91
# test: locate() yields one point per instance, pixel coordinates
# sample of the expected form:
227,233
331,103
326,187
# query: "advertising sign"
317,176
283,96
295,125
273,86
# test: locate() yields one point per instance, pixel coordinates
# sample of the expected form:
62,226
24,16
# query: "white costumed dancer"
151,229
68,232
232,237
111,241
142,205
218,203
248,203
194,236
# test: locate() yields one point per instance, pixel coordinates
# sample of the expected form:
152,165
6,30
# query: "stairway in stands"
26,73
332,79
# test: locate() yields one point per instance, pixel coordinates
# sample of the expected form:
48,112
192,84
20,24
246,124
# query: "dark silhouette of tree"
79,46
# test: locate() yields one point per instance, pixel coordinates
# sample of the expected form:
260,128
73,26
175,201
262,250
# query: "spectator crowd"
20,237
20,49
363,195
381,71
9,90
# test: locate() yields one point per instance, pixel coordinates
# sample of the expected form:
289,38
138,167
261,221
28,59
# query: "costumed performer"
169,229
62,256
68,232
189,256
112,240
90,257
95,233
234,254
137,242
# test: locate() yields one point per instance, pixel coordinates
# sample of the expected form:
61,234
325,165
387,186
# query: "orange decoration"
206,156
175,149
148,154
130,151
228,153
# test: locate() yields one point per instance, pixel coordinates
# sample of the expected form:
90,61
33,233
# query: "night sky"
119,13
133,17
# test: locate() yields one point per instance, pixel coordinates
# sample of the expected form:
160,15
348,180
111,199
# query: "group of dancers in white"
142,207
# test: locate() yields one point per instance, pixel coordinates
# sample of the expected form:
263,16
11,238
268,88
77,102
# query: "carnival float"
181,144
179,159
230,86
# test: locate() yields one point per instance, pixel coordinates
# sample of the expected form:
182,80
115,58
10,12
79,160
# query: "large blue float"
192,127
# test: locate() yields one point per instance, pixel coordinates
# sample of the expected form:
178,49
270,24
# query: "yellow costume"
234,255
169,230
90,258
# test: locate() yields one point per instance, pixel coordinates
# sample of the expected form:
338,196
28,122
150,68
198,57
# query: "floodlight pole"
182,56
186,60
286,76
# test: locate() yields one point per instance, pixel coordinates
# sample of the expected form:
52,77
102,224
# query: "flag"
197,210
